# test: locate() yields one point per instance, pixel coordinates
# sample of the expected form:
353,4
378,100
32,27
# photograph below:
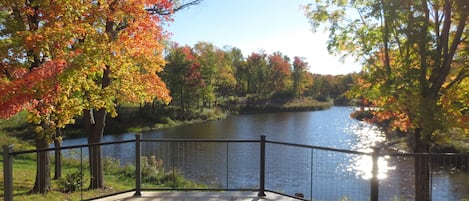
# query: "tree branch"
461,76
156,10
5,71
448,58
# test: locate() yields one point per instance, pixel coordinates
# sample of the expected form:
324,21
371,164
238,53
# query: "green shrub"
153,172
127,171
72,181
111,165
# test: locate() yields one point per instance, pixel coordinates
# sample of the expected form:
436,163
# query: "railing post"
262,168
138,170
7,173
374,190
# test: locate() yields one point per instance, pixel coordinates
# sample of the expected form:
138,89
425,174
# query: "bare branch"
157,10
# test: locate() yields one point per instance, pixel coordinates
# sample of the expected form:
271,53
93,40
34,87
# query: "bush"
72,181
111,165
152,168
153,172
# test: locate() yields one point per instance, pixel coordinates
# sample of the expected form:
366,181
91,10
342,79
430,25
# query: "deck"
196,196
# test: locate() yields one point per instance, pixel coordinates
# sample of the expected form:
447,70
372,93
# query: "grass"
306,103
284,105
24,171
17,131
118,178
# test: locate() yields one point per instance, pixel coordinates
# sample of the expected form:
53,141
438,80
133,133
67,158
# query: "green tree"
240,70
206,53
183,76
415,55
299,76
225,81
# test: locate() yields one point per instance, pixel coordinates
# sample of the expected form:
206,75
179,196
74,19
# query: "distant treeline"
204,76
207,82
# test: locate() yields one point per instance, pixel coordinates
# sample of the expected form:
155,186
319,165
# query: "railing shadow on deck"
295,170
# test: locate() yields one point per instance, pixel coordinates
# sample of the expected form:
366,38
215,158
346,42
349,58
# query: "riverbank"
295,105
138,119
18,131
452,141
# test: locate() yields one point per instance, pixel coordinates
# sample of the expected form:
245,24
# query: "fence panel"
449,177
300,171
75,176
314,173
202,164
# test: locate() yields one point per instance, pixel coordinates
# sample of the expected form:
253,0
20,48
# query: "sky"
253,25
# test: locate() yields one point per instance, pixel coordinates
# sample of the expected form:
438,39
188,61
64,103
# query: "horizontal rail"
201,189
316,147
70,147
200,140
235,141
427,154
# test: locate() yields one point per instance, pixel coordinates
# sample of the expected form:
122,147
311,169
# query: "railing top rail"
427,154
70,147
317,147
201,140
239,141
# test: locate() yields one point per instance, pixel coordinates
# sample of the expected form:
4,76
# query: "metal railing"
295,170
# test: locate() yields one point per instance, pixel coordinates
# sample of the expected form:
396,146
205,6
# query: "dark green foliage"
72,181
153,173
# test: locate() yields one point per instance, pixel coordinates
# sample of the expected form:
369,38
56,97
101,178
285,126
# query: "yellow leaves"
76,32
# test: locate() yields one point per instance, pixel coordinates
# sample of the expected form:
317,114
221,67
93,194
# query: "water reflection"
366,137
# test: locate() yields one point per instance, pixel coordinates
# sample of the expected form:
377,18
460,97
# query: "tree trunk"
95,128
94,125
58,154
422,167
42,183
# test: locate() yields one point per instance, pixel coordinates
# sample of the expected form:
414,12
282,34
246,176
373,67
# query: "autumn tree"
225,81
280,76
64,58
415,58
35,40
121,54
183,76
258,71
299,75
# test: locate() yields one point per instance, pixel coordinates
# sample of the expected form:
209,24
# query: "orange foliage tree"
281,72
64,58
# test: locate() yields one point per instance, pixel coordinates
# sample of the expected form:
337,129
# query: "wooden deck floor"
196,196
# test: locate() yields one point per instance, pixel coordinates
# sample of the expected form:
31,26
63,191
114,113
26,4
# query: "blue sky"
252,25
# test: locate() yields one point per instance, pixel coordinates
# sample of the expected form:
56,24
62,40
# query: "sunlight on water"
366,137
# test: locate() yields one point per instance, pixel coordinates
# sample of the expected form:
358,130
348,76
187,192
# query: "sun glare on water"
367,136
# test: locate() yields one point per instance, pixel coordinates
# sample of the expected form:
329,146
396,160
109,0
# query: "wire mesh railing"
306,171
448,176
294,170
200,164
